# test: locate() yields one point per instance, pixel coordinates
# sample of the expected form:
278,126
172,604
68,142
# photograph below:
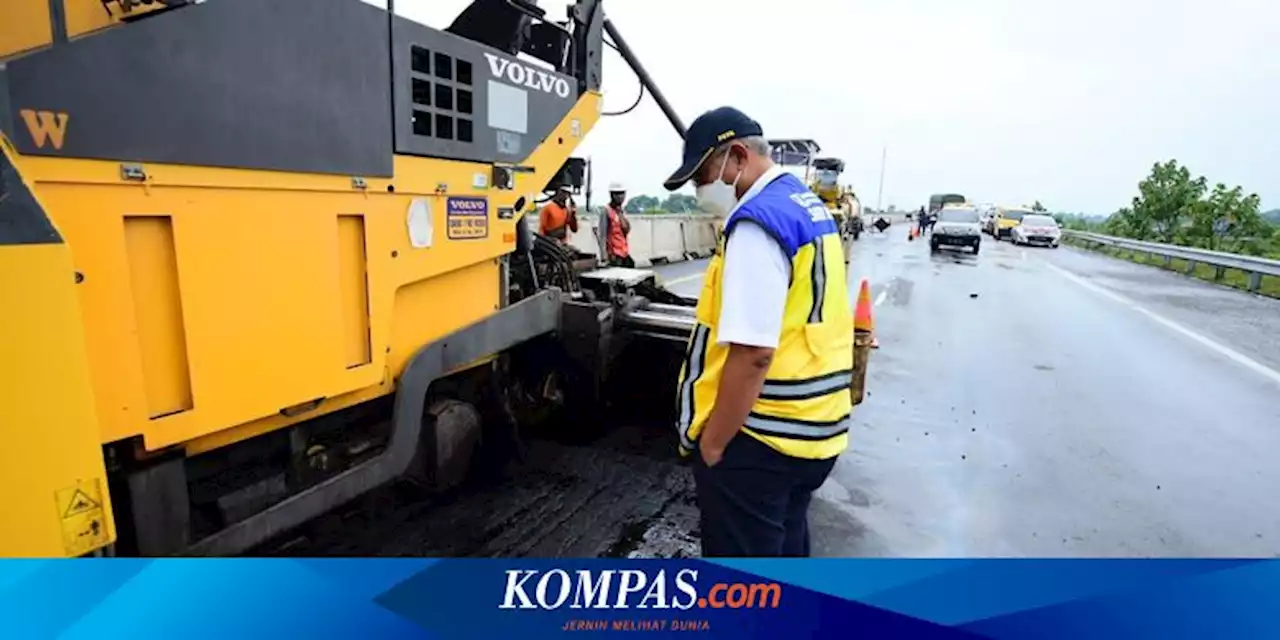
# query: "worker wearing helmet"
616,229
558,217
764,390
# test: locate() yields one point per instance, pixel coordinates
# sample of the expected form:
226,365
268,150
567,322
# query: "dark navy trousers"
755,501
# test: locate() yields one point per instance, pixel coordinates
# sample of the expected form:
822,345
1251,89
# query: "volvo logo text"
528,76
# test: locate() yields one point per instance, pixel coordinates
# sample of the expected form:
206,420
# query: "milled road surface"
1024,402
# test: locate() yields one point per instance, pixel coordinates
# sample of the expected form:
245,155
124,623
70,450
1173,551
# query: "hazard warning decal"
84,523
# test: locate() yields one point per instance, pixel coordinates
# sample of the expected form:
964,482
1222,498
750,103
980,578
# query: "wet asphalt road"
1038,402
1024,402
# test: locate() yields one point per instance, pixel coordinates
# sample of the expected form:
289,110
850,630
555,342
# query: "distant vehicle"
985,212
937,200
1006,219
957,226
1037,229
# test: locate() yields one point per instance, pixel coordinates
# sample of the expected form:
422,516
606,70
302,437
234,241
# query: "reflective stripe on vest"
819,277
803,429
808,388
804,406
694,359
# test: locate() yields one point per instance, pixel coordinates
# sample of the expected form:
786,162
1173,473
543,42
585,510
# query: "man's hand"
710,455
741,380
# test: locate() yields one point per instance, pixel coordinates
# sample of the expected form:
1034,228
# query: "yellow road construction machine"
840,200
257,258
822,175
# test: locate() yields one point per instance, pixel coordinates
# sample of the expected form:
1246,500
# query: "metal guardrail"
1219,260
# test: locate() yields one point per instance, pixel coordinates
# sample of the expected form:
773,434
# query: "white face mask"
717,197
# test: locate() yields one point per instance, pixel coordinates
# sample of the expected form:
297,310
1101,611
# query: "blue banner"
423,598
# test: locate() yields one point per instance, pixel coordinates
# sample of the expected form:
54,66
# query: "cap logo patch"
723,136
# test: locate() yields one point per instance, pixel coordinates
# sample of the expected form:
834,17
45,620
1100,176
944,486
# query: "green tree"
641,204
1172,207
1165,202
680,203
1228,220
1123,223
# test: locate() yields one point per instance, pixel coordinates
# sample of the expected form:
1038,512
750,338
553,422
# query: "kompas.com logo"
631,589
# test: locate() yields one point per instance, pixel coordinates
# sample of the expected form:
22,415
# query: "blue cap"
709,131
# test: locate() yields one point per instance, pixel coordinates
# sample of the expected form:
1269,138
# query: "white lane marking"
883,294
1231,354
1024,254
681,279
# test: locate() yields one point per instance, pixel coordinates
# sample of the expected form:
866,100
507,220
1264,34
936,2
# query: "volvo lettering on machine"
531,77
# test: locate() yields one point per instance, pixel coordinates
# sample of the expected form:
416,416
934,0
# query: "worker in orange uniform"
559,217
617,229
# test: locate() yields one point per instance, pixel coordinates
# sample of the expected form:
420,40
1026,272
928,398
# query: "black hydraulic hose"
559,261
645,80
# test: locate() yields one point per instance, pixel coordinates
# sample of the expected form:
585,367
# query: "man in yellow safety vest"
764,396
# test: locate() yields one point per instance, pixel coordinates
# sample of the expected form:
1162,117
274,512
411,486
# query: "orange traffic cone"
862,320
863,326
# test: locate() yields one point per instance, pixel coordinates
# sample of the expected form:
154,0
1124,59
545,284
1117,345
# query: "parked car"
1037,229
1006,219
956,227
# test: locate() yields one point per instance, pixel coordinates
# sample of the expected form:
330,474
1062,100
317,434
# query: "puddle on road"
900,291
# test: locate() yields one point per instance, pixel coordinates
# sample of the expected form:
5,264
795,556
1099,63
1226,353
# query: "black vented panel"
442,84
443,95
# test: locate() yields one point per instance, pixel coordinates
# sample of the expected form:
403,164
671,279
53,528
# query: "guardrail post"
1168,261
1219,273
1191,267
1255,281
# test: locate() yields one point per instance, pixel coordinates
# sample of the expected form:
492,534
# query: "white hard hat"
616,187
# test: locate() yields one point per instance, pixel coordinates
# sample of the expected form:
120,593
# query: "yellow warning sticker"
84,523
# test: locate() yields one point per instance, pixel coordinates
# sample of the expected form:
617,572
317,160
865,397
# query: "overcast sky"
1066,101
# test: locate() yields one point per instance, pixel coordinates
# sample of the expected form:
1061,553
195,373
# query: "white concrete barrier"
659,237
666,237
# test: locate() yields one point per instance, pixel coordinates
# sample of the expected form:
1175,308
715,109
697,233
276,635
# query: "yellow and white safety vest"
804,408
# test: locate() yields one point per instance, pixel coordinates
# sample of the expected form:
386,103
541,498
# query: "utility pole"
884,151
588,184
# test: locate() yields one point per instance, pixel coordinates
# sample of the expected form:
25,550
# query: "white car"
1037,229
956,227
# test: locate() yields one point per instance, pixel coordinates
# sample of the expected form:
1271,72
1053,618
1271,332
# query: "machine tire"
933,247
456,427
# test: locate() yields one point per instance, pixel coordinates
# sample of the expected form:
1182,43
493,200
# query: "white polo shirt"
754,281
